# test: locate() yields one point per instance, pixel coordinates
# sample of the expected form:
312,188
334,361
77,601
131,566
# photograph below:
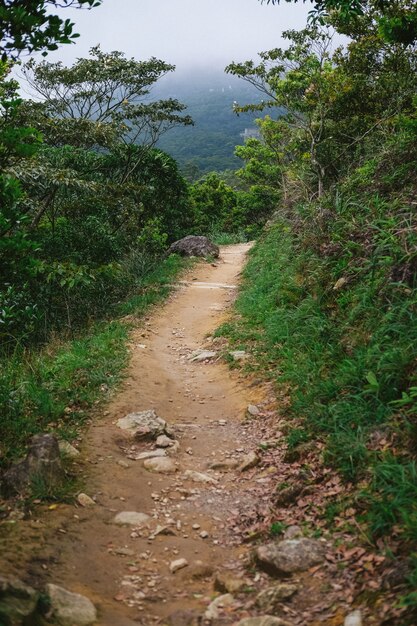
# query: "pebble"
177,565
85,500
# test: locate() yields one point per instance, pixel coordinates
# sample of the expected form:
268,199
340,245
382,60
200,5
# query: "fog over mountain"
188,33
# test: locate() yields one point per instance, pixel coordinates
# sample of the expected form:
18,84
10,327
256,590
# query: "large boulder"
194,245
283,558
42,464
70,609
17,601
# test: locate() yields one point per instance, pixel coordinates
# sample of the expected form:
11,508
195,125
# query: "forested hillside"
209,97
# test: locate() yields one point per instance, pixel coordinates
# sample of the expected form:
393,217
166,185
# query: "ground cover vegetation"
328,304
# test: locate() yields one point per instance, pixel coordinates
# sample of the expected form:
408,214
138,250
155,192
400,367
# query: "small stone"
124,552
67,450
199,477
84,500
226,583
196,526
70,609
175,566
151,454
353,619
213,610
224,466
269,599
290,555
163,530
252,410
163,465
131,518
249,461
204,534
123,464
164,442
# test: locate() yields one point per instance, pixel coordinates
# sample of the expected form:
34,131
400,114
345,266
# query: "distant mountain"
210,144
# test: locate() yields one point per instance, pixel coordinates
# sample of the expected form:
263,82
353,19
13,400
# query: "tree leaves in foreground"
29,26
396,19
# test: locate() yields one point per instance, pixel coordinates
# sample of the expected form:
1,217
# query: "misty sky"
187,33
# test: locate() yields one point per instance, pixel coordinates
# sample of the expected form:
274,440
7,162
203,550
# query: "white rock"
85,500
130,518
66,449
199,477
124,464
354,619
70,609
162,465
202,355
177,565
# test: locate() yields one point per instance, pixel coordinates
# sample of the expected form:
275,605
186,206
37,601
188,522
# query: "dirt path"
125,570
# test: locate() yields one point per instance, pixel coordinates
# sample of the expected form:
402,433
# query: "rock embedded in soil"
145,425
215,607
269,599
162,465
285,557
70,609
42,464
164,442
67,450
151,454
252,410
199,477
265,620
84,500
202,355
249,461
131,518
178,564
194,245
18,601
224,466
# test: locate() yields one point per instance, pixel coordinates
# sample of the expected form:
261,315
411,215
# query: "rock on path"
285,557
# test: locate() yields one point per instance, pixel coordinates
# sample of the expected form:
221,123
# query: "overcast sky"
187,33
